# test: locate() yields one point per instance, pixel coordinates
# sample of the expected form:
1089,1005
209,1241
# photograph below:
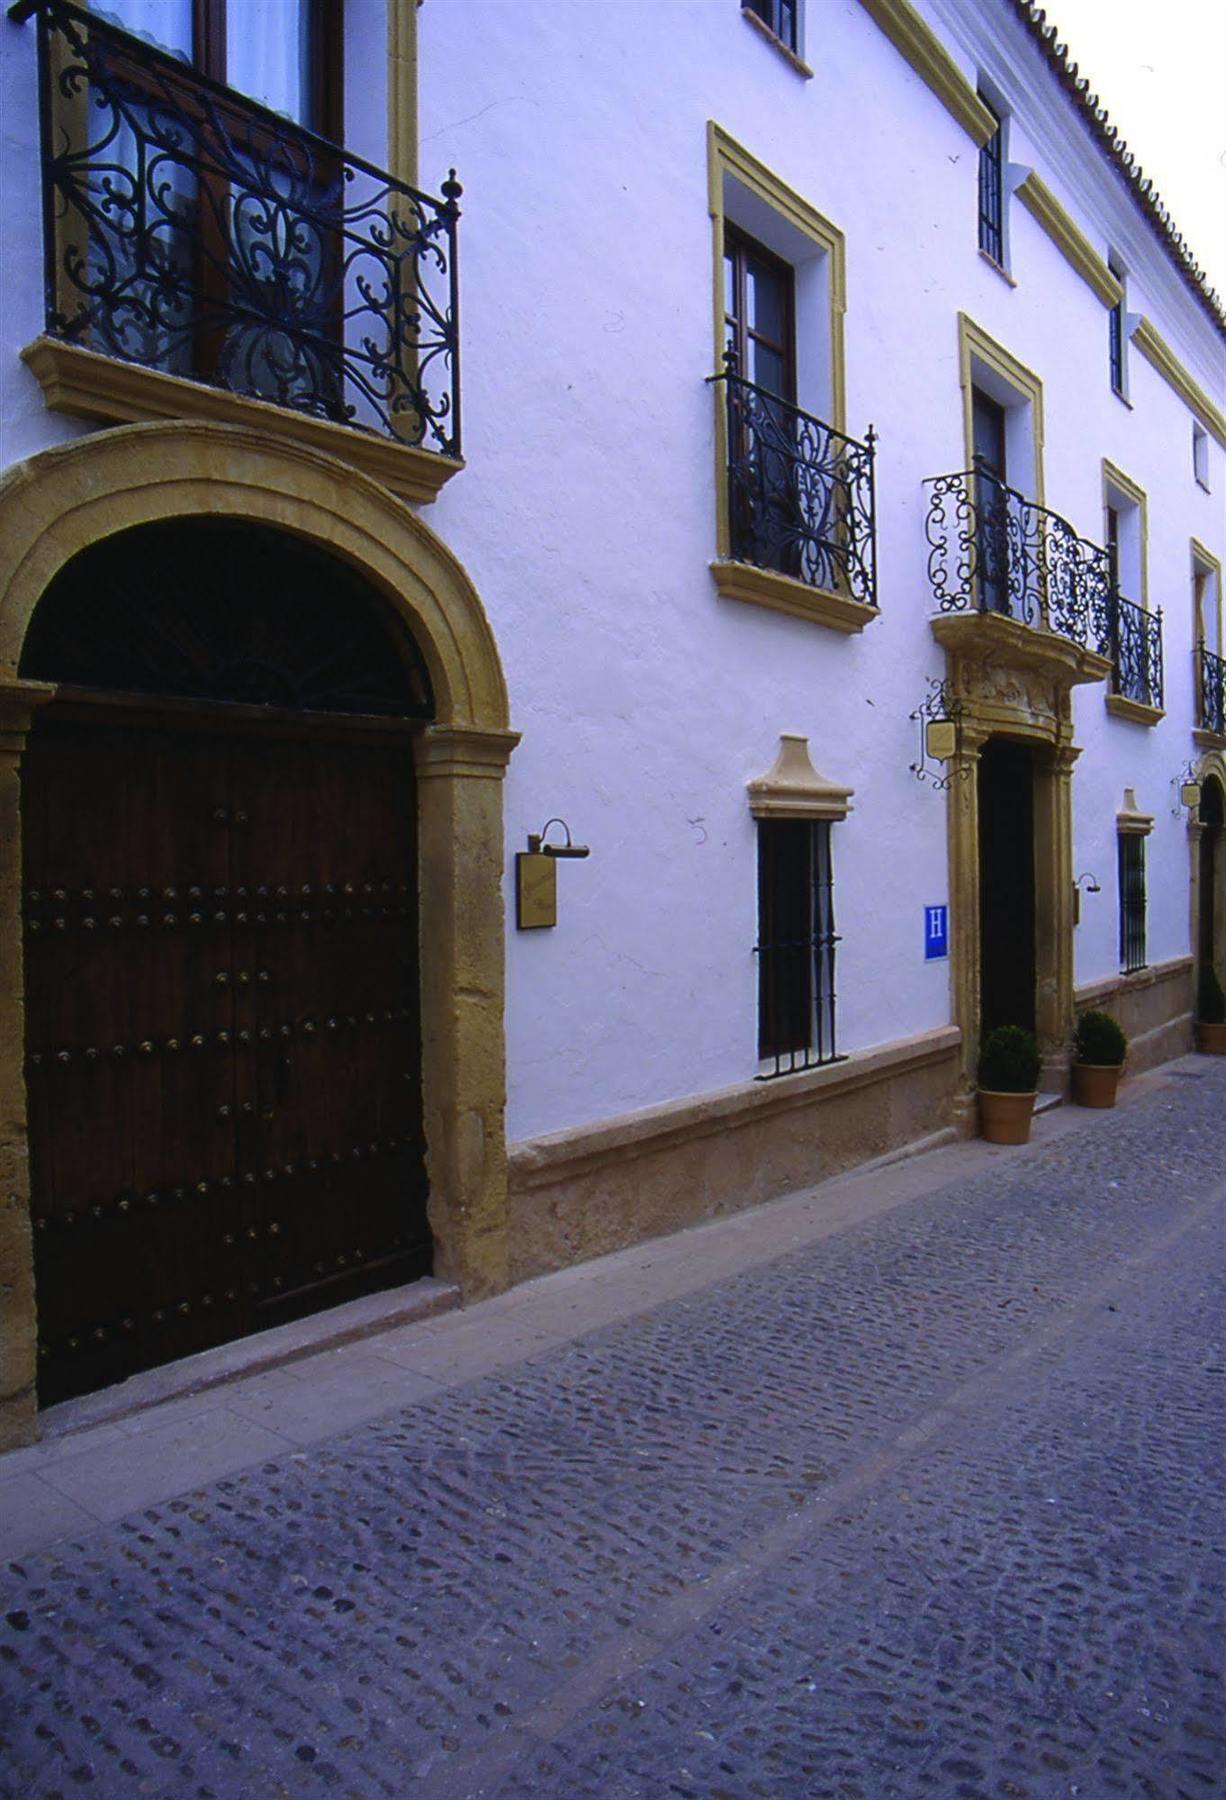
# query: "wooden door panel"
126,870
334,1119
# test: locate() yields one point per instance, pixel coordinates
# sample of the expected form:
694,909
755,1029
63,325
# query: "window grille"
992,191
1132,901
796,945
1115,334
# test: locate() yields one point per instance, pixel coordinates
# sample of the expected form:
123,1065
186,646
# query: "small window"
992,190
1117,337
1200,454
782,17
796,944
1132,900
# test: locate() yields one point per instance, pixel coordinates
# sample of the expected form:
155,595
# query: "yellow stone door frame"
59,503
1007,680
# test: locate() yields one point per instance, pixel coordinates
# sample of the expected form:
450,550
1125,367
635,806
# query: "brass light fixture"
1092,886
536,877
1189,784
937,719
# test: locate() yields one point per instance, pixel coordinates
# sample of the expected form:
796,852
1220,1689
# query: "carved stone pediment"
1011,677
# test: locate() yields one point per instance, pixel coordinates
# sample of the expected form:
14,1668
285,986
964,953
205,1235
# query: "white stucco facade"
586,515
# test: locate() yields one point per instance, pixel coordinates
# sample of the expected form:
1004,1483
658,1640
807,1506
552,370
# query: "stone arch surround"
61,501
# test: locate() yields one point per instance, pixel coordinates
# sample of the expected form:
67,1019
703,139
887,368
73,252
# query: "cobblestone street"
934,1506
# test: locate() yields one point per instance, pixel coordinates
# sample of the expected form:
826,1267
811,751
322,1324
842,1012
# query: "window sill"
785,50
1209,740
1136,710
764,587
999,268
1123,399
88,385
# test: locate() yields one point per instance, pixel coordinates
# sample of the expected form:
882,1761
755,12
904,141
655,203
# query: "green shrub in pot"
1009,1061
1099,1040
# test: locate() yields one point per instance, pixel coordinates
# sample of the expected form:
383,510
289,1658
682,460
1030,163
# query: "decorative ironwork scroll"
992,550
801,495
1212,684
196,232
1136,652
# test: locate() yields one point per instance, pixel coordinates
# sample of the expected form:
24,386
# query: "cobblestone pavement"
934,1507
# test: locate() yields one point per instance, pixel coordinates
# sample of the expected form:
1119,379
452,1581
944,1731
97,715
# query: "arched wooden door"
221,929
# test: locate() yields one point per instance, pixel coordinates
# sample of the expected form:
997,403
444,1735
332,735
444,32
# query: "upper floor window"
992,189
1200,453
1117,337
781,17
283,53
759,314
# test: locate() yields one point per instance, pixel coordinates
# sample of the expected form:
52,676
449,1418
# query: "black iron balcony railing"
1135,648
801,495
1211,670
992,550
196,232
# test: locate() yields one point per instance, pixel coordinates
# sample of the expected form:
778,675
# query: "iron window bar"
796,947
1132,901
992,191
993,550
1211,686
1136,651
1115,346
195,231
801,495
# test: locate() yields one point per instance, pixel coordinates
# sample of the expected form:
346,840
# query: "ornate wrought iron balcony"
992,550
801,495
1212,686
196,232
1135,648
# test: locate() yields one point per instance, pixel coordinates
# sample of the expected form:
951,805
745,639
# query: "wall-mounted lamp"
937,721
536,877
1091,887
1189,784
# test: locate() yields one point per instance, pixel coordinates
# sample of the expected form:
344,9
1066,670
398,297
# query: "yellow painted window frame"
725,156
1204,562
975,345
402,90
1114,477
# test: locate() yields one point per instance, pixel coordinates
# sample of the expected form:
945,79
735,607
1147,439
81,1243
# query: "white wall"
586,514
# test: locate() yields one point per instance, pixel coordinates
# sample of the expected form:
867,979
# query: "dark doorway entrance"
223,1046
1006,885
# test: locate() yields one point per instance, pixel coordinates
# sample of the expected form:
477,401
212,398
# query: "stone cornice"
921,47
88,385
764,587
992,638
1157,351
793,789
1069,239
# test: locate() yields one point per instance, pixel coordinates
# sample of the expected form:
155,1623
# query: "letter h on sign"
936,932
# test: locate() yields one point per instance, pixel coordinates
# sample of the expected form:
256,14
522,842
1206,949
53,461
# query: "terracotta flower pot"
1210,1039
1005,1118
1094,1084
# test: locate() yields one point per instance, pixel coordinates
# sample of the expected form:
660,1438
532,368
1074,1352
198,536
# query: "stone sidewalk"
906,1485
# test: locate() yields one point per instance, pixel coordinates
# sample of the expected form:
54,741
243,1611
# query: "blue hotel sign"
936,932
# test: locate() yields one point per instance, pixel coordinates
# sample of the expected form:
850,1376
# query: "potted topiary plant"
1008,1084
1099,1049
1210,1013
